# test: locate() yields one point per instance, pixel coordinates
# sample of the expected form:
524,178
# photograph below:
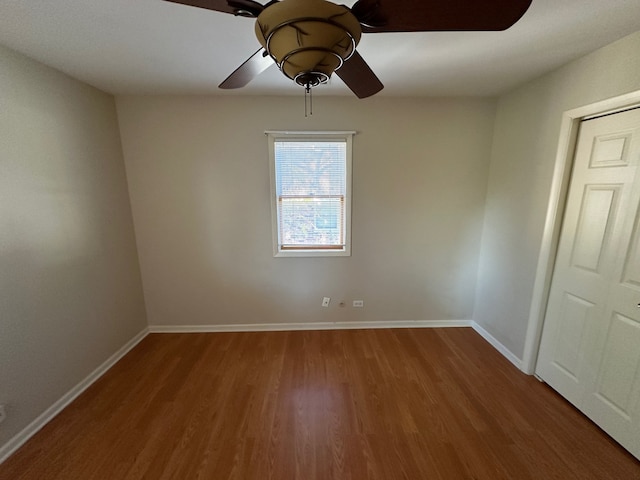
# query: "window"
311,193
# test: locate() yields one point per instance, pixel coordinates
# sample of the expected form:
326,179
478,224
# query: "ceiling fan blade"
359,77
254,66
438,15
243,8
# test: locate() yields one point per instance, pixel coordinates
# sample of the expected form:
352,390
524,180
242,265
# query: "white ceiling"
157,47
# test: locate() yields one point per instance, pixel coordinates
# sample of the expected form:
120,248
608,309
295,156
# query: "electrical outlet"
358,303
325,301
3,414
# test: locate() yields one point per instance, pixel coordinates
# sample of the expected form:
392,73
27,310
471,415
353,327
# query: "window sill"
313,253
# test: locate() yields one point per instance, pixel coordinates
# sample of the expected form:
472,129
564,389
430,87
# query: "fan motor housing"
308,39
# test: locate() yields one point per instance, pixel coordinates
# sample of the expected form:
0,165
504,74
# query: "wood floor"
349,405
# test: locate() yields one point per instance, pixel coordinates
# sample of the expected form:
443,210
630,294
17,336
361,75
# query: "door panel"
631,272
614,402
595,218
573,321
590,348
610,150
621,360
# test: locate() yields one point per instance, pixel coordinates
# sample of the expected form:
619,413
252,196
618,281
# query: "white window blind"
311,187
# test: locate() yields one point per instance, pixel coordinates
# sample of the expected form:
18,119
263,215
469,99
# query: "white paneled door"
590,349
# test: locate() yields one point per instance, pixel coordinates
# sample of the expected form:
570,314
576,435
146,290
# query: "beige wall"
199,184
70,291
525,141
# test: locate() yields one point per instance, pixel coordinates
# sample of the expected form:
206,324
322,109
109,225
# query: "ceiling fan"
310,39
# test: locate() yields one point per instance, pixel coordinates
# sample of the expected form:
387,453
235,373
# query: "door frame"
555,211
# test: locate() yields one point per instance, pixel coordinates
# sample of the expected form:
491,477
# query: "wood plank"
348,405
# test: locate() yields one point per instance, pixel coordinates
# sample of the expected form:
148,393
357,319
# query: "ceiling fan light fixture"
308,39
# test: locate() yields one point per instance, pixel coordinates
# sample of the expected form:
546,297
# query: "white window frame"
311,136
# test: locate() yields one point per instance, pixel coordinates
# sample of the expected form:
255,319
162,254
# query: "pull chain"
308,92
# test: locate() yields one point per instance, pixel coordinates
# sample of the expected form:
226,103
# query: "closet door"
590,349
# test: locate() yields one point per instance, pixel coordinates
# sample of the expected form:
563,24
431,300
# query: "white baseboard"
280,327
30,430
508,354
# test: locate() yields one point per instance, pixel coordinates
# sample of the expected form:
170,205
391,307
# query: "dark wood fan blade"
243,8
438,15
359,77
254,66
